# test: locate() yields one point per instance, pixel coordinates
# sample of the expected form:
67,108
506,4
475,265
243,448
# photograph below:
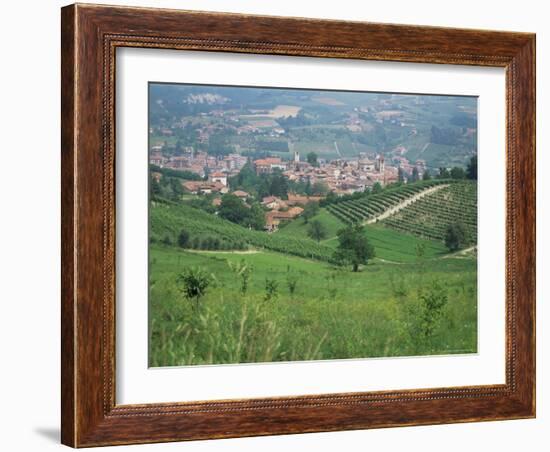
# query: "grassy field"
298,228
332,312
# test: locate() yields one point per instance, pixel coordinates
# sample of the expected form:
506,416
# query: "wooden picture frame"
90,36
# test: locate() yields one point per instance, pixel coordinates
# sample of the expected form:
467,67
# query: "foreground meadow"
289,308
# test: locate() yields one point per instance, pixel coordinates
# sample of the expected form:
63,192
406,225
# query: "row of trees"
460,173
205,242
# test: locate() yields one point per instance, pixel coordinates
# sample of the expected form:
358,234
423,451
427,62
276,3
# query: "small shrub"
195,282
183,239
243,271
291,282
271,289
433,304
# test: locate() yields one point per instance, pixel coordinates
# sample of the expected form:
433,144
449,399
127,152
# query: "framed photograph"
280,225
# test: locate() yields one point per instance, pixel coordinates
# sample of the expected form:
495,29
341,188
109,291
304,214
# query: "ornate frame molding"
90,36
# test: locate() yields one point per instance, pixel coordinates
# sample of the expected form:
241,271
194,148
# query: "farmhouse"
274,203
218,177
241,194
196,187
274,217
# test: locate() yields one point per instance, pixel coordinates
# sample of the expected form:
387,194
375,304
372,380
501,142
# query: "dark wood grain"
90,36
67,224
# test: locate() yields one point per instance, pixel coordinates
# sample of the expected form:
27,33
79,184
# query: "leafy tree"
471,170
256,217
233,209
312,159
246,178
353,247
443,173
183,238
376,188
320,188
317,230
415,176
426,175
278,186
310,210
204,202
195,282
177,189
455,236
458,173
264,188
331,198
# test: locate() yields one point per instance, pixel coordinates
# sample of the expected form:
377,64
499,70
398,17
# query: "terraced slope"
168,219
429,216
370,207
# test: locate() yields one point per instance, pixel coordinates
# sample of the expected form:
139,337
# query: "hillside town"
341,177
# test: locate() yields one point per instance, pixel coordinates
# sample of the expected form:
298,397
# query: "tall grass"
230,327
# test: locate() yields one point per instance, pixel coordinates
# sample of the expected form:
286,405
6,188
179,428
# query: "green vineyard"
167,220
426,217
370,206
429,216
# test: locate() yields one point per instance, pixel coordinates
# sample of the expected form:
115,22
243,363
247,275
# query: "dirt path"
223,252
461,253
423,149
405,203
337,149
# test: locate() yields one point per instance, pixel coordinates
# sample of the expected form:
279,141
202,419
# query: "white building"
218,177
